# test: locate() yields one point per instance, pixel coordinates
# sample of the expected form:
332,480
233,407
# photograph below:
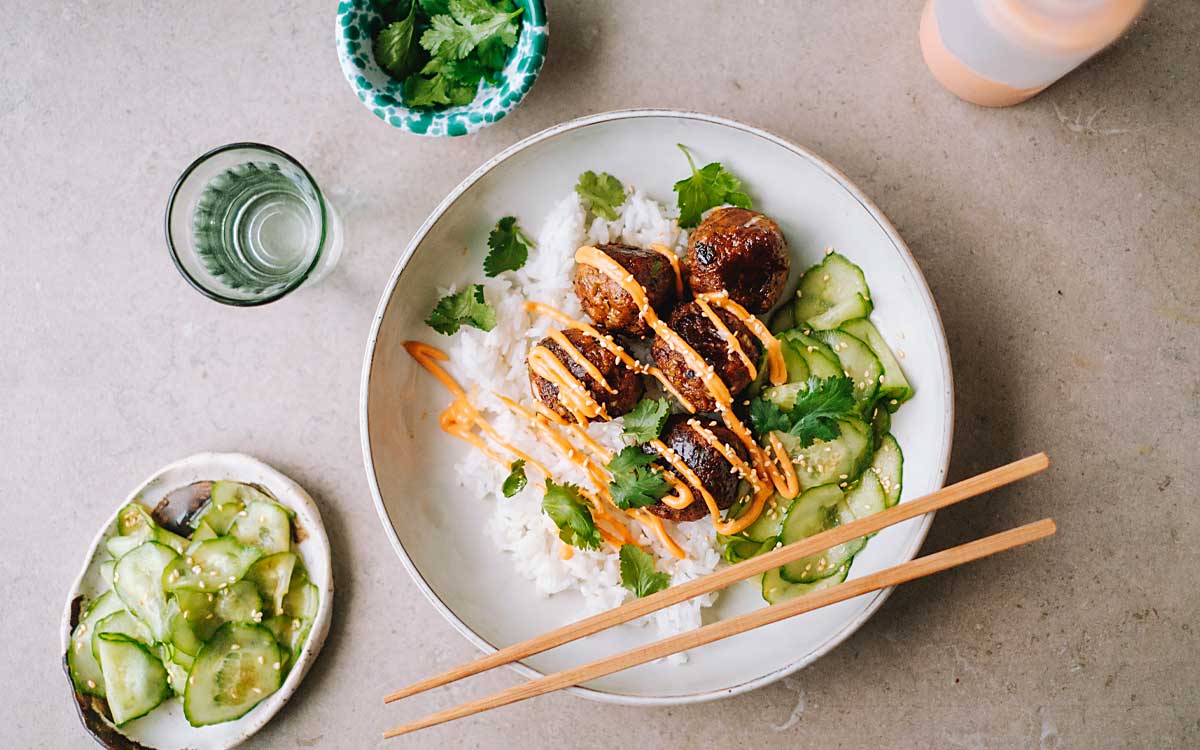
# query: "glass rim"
196,283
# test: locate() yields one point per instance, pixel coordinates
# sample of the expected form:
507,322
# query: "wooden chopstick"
942,498
920,567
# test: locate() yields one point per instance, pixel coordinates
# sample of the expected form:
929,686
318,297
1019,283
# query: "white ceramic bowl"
438,531
165,728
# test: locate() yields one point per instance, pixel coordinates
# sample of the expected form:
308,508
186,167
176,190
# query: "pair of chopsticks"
893,576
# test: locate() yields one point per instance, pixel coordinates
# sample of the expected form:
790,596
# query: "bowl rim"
297,497
537,21
877,599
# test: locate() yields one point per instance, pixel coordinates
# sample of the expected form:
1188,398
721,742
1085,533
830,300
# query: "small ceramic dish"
356,26
165,728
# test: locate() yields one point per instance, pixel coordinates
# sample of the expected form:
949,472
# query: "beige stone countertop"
1061,239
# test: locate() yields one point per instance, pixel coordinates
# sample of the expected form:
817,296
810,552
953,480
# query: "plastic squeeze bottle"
1001,52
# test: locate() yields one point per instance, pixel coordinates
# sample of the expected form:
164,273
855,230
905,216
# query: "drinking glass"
246,224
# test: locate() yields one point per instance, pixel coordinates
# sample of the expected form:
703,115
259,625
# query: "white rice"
495,362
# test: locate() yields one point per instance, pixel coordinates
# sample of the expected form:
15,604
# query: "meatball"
611,306
627,383
698,330
711,467
740,251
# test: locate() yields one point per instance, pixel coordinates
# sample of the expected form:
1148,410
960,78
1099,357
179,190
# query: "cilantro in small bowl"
441,67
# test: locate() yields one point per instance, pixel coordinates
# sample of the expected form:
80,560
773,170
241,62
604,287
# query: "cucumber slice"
894,385
203,533
181,635
183,658
291,633
782,320
793,358
816,510
119,546
888,465
135,682
235,670
81,662
219,516
136,525
769,523
775,589
836,461
302,597
239,602
738,548
123,623
213,565
867,497
783,396
881,422
832,292
819,358
107,568
273,576
197,609
177,675
138,578
226,492
859,363
264,524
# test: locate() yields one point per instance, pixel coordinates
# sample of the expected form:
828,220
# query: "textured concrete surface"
1061,239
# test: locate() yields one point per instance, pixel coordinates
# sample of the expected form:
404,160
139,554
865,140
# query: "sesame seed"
91,683
257,690
116,577
191,680
209,616
233,579
202,584
825,277
196,569
275,665
262,660
235,647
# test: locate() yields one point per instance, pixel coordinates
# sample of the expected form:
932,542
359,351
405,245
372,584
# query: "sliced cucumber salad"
216,618
847,462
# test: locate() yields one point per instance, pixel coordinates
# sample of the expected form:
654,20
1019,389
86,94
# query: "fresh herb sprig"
465,308
638,573
508,248
574,520
602,193
708,187
634,483
516,479
819,406
442,49
645,421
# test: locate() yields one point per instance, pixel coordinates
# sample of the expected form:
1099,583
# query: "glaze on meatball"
695,327
711,467
627,383
741,251
611,306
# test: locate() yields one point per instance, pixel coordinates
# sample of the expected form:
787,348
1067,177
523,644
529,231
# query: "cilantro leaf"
602,193
395,49
508,248
767,417
467,307
707,188
634,483
815,415
516,479
435,7
469,24
645,421
572,517
638,573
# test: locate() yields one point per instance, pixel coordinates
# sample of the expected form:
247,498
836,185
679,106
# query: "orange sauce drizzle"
731,341
608,343
561,339
673,259
572,393
777,368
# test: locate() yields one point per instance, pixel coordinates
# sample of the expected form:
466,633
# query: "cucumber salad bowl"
202,603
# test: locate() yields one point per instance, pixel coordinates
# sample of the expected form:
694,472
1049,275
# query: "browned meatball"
741,251
695,327
713,469
610,305
627,383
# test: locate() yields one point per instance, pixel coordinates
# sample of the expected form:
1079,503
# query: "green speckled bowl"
357,23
